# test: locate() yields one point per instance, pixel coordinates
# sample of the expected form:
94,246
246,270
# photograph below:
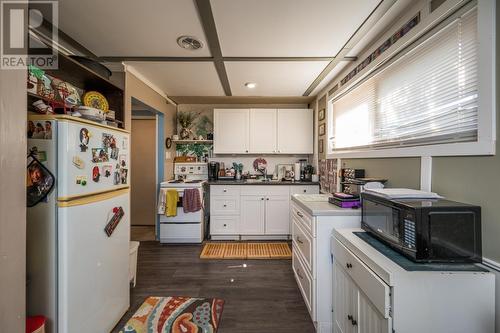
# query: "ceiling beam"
155,59
278,59
202,59
368,23
208,23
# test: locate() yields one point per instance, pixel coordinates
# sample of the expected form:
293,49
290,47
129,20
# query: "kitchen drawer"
303,243
224,205
371,285
306,220
304,189
224,225
230,190
305,282
265,190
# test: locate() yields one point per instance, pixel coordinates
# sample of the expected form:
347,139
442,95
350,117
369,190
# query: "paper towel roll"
296,171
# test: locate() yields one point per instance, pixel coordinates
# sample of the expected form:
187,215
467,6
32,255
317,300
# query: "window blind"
427,96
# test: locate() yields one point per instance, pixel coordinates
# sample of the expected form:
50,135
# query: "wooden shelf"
206,142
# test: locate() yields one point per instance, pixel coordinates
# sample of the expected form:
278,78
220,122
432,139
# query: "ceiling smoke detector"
189,43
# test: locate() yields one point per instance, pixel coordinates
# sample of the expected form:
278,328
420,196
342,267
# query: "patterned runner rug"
176,315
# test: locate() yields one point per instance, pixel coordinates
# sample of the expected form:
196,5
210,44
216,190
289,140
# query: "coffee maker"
213,170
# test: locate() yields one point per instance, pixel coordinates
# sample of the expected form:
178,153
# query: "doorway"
147,165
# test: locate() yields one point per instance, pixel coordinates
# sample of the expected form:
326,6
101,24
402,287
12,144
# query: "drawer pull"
300,214
224,190
349,317
305,191
225,225
299,240
225,205
348,265
261,198
354,322
267,199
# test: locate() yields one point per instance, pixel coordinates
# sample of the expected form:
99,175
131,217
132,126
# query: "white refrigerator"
78,237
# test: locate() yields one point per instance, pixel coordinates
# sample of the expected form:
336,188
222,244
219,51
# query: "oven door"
196,217
382,220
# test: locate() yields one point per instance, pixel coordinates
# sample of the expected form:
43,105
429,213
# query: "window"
426,96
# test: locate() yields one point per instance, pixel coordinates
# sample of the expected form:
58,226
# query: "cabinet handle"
349,317
267,199
225,205
261,198
354,322
305,191
298,240
224,190
225,225
300,214
246,151
348,265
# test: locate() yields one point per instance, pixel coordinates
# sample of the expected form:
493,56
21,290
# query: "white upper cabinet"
263,131
231,131
295,131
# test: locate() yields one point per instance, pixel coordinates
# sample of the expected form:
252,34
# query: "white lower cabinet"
253,211
353,311
252,215
373,294
312,262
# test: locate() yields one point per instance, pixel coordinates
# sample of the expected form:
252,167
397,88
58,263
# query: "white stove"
185,227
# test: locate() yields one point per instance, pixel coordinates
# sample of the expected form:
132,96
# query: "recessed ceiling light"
250,85
189,43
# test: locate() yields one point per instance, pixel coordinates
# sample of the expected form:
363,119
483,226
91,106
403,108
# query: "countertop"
242,182
318,205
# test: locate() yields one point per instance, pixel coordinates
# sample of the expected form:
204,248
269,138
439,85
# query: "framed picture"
321,115
320,146
322,130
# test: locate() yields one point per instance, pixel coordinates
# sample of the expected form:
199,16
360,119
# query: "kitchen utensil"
96,100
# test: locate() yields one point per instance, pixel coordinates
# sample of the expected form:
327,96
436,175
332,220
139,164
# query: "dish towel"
172,198
191,200
162,201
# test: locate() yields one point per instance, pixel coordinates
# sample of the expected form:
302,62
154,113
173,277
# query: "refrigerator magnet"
100,155
123,161
116,176
81,180
96,174
114,153
108,140
78,162
123,176
125,143
106,170
84,139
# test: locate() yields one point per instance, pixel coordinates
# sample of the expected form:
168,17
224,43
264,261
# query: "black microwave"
425,230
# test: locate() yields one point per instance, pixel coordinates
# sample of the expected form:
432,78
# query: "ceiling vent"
189,43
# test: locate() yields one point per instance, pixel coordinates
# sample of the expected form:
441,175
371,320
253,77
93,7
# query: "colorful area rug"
176,315
246,250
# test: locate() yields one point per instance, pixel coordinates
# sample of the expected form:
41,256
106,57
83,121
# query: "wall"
143,179
12,200
272,160
138,89
401,172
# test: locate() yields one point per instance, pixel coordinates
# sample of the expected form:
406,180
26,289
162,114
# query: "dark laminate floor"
264,297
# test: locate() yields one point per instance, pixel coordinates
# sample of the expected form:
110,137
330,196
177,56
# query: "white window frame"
486,142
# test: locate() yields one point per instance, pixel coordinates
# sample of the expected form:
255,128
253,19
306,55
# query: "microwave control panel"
409,234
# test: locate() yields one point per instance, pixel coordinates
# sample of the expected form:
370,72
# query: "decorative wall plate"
96,100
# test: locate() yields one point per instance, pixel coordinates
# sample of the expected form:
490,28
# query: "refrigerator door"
91,159
41,231
93,268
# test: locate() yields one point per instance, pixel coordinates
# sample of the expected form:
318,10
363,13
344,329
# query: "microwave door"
383,220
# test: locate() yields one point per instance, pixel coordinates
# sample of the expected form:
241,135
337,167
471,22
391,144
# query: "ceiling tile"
132,28
181,78
273,78
279,28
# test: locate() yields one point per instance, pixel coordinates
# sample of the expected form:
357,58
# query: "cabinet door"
345,299
277,215
263,131
295,131
370,320
231,130
252,215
